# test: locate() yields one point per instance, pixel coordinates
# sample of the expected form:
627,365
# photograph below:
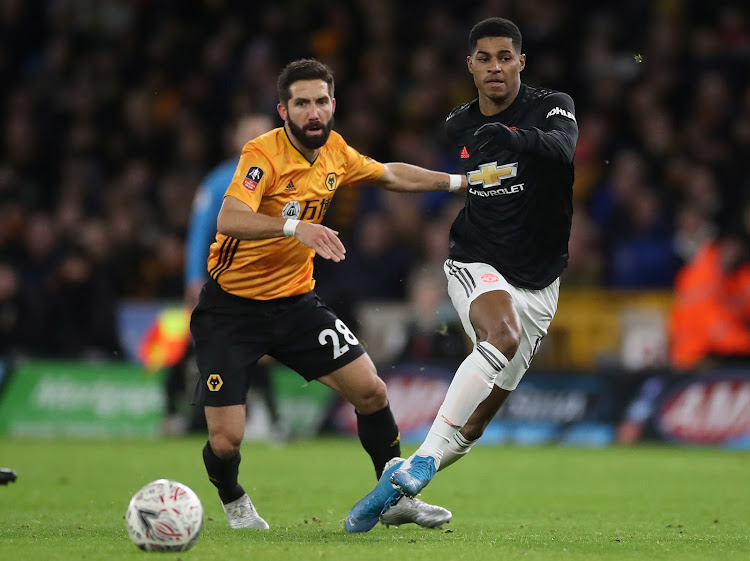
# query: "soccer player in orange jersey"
260,297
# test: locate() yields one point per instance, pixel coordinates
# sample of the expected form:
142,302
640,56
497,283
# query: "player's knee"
226,444
505,336
372,397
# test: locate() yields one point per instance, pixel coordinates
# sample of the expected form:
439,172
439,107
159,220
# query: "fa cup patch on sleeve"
253,177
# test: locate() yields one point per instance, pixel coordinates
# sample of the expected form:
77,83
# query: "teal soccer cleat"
366,513
413,479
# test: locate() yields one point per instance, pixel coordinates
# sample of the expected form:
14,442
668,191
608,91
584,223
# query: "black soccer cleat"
7,476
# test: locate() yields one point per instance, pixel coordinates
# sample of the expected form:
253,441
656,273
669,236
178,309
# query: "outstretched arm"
239,221
555,139
408,178
559,144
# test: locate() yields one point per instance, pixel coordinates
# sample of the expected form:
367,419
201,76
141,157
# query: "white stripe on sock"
470,386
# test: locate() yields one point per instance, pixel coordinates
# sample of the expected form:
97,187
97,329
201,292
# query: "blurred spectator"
585,263
377,266
82,309
693,228
640,249
433,333
636,227
36,267
10,310
710,318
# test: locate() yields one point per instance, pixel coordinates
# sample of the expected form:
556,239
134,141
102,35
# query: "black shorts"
232,333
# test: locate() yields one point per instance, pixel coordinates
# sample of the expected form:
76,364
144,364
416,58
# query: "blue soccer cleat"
366,513
413,479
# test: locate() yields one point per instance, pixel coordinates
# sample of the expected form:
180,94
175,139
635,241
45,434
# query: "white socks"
470,386
457,448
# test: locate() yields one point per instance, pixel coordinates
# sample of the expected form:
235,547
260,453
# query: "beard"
311,142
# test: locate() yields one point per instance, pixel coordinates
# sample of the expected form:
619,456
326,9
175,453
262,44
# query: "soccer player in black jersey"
508,246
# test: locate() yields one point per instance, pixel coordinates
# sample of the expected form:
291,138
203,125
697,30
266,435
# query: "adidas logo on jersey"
290,188
561,111
464,153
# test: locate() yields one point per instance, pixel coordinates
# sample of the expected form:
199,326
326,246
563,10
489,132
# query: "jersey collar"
507,111
295,151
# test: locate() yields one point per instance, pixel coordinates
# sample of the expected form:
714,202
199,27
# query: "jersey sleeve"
559,114
360,169
253,177
451,124
556,136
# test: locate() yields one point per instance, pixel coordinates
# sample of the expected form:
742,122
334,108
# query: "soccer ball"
164,516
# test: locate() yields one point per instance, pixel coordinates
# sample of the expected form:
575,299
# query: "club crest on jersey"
253,177
291,210
490,175
331,181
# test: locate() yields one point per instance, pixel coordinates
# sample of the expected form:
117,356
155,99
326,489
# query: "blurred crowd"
113,111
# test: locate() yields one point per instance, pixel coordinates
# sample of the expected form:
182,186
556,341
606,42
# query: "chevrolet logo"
491,175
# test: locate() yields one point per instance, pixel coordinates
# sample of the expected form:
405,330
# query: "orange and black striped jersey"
275,179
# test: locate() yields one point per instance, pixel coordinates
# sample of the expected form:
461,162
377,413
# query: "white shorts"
536,308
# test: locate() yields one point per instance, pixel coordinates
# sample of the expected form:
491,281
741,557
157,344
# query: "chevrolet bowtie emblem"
491,174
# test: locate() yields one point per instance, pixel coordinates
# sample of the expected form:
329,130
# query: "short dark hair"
495,27
302,69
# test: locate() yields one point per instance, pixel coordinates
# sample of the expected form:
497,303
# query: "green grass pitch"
550,503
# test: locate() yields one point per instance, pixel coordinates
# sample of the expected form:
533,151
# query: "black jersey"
519,202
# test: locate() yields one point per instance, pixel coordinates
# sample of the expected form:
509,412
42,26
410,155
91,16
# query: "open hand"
323,240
